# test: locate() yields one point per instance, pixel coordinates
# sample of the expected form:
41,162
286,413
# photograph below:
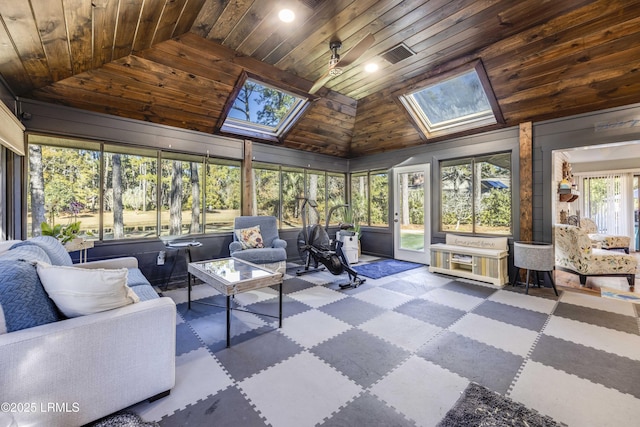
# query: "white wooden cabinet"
486,262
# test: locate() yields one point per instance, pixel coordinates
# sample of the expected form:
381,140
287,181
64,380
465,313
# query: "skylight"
260,110
452,103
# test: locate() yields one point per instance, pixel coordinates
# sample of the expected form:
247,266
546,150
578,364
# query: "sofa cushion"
262,256
23,301
54,249
29,253
136,278
250,238
145,292
79,291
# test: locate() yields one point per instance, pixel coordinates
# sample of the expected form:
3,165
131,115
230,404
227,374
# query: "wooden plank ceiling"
175,62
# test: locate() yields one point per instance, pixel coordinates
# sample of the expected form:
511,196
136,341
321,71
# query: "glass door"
411,218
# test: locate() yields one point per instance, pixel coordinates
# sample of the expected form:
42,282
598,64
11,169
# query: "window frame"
368,175
159,155
460,126
475,211
237,127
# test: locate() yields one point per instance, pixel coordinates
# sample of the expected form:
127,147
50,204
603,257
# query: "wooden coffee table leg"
228,321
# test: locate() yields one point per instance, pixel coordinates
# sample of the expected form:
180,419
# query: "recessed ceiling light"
286,15
371,67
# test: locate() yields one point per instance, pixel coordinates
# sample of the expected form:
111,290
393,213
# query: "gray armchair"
273,255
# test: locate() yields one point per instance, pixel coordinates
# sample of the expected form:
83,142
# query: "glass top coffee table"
231,276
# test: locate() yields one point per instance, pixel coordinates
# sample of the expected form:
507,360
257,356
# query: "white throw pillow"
81,291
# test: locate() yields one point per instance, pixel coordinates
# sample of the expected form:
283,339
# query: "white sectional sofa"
73,371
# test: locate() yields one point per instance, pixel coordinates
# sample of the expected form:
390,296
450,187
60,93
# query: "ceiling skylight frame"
251,129
490,116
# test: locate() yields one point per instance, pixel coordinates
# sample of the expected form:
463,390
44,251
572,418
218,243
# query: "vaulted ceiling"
176,62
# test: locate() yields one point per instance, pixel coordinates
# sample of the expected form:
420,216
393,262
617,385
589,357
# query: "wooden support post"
247,179
526,182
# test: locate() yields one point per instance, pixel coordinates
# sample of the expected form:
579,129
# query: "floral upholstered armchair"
604,241
575,254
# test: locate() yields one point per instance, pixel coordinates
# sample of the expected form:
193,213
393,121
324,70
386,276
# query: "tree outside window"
130,193
336,196
316,191
379,216
64,184
360,197
266,190
292,194
181,183
222,195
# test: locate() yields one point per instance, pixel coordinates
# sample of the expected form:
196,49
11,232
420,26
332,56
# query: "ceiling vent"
397,53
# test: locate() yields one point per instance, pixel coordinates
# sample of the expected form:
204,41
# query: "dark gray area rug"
479,406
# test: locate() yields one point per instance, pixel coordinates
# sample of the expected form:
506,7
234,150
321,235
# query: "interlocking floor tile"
256,296
383,297
430,312
247,358
186,340
502,335
516,316
197,292
198,375
476,361
452,299
198,310
366,410
313,327
402,330
317,296
528,302
606,304
359,356
295,284
407,287
387,353
436,279
352,310
607,319
421,390
476,290
572,400
616,342
594,365
213,328
228,408
301,391
290,307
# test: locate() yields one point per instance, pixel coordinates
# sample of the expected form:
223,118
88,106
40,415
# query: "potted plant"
64,233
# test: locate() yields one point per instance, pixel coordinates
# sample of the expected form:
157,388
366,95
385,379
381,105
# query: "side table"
81,245
180,246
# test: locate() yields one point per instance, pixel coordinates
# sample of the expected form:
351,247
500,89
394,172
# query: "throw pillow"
81,291
54,249
250,238
29,253
23,301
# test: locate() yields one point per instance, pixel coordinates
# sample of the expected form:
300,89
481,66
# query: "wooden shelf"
568,195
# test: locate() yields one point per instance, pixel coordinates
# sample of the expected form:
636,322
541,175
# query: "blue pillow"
54,249
23,301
